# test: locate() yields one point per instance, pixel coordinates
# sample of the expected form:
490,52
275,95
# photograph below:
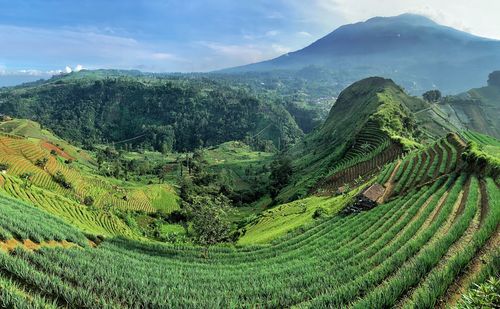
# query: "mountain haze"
413,50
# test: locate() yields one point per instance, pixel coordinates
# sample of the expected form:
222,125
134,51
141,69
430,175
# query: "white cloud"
479,17
68,69
304,34
54,47
234,54
272,33
78,68
162,56
280,49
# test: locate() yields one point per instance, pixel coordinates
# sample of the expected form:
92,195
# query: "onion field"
406,252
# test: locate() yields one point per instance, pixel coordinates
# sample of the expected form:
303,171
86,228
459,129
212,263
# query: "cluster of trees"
61,180
162,114
113,163
494,79
432,96
281,172
205,205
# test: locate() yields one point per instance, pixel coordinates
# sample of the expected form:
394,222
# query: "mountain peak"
411,49
409,18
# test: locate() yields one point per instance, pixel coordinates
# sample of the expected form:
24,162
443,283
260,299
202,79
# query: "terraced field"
21,154
95,222
424,166
407,252
370,151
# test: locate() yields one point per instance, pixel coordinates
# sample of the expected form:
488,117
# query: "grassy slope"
370,100
26,142
282,219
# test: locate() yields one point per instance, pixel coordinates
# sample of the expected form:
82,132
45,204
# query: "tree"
88,201
281,170
494,79
41,163
432,96
162,172
209,218
61,179
26,177
4,166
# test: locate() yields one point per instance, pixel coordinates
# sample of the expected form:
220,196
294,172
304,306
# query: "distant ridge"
411,49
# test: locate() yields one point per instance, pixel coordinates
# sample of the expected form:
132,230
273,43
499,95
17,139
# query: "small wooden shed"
374,192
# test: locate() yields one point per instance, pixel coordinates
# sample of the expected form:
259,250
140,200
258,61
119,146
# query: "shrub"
486,295
61,179
88,201
4,166
41,162
318,213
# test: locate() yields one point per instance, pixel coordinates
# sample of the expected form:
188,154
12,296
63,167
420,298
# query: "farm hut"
374,192
366,200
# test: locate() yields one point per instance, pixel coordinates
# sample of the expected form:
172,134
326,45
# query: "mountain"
477,109
413,50
164,114
372,120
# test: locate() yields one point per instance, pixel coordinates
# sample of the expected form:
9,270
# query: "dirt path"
436,211
389,185
461,208
27,244
484,200
468,275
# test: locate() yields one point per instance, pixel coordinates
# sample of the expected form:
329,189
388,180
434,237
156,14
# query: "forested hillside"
163,114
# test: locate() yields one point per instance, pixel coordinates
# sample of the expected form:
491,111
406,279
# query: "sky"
41,38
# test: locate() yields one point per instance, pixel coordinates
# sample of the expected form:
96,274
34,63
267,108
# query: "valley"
361,171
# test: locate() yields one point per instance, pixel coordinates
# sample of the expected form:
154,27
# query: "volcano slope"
433,234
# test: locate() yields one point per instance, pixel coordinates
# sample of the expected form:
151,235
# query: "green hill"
165,113
371,120
425,239
426,245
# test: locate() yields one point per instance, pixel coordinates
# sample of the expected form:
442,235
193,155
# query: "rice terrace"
192,161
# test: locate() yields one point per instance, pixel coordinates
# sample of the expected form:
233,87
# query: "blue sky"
39,38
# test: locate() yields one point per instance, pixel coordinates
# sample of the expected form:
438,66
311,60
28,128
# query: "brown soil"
439,206
389,185
28,244
439,153
363,169
484,201
422,166
448,157
464,200
49,146
457,141
469,273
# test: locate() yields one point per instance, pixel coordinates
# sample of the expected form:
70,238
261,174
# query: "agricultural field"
488,144
431,235
407,252
23,155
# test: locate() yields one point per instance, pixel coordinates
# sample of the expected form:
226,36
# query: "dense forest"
154,113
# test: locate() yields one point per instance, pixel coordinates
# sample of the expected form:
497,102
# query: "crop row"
367,260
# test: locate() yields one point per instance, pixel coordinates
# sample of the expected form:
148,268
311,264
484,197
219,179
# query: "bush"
486,295
88,201
318,213
61,179
4,166
41,162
